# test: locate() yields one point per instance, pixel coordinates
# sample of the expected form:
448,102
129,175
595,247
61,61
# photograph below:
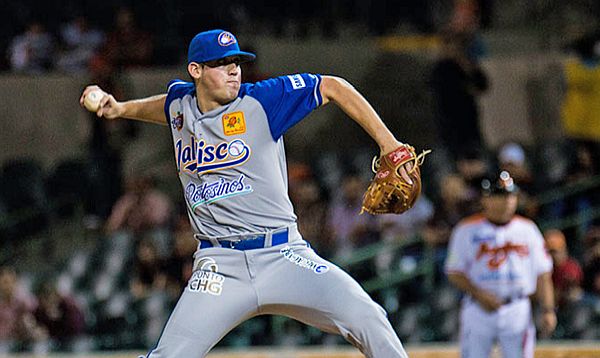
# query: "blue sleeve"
176,89
287,99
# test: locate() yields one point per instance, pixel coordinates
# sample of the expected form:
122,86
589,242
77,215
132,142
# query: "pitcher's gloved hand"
397,182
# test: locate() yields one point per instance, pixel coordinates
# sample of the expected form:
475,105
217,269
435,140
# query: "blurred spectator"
22,190
298,172
583,166
457,82
349,229
407,224
567,275
394,228
127,45
383,15
270,15
311,209
141,208
581,103
512,158
60,315
80,42
142,211
32,52
457,200
310,15
17,323
106,143
251,72
179,264
148,286
472,166
148,271
468,16
592,244
591,282
466,20
465,16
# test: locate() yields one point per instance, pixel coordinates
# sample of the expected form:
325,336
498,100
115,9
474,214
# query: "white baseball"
92,100
236,148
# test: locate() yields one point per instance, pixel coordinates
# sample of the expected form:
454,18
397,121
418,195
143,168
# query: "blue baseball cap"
214,45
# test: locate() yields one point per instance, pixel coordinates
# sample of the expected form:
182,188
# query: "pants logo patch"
207,278
303,262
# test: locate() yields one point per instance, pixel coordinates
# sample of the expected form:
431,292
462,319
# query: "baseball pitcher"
251,259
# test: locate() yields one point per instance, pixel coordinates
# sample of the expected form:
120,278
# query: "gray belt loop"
269,239
214,242
293,234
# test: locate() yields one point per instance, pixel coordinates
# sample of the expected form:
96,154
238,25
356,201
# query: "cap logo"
226,38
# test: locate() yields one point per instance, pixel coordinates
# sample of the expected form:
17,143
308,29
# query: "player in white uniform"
499,261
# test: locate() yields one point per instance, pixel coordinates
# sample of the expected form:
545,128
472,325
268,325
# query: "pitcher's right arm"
149,109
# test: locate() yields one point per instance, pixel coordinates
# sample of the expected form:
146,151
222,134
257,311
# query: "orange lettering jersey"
505,260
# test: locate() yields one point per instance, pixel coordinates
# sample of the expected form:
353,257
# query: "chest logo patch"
234,123
496,256
198,194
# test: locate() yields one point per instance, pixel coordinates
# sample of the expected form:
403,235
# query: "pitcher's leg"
296,282
217,298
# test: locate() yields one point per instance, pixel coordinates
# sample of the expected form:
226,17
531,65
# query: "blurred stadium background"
484,83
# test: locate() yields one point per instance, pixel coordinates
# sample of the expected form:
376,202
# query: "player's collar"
497,223
213,112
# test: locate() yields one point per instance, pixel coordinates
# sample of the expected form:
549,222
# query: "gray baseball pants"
230,286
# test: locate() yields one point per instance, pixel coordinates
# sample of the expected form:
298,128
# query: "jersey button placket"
500,236
198,134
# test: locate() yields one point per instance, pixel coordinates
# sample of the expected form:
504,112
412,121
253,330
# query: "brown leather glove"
390,192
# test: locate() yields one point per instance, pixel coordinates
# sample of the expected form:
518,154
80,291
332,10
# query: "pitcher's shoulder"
178,88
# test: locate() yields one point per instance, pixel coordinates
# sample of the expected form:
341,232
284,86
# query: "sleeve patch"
286,99
297,81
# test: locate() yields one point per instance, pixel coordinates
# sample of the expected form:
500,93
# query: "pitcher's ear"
195,70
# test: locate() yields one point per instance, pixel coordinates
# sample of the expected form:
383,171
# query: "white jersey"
505,260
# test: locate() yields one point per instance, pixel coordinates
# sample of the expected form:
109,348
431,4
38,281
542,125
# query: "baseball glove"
389,191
